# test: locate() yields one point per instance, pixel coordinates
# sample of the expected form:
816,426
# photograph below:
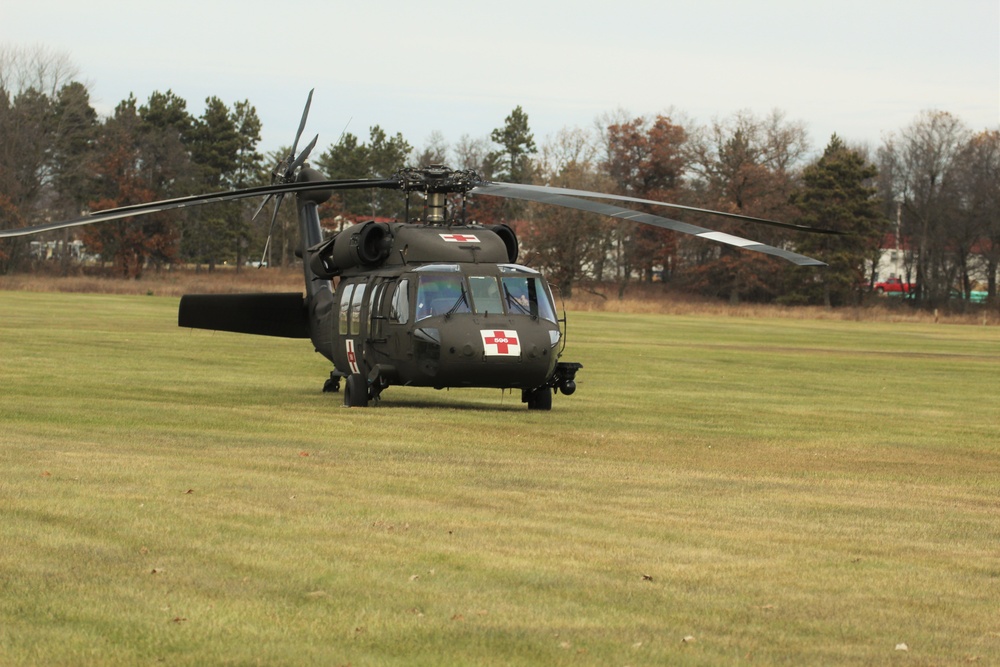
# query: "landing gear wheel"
356,391
539,399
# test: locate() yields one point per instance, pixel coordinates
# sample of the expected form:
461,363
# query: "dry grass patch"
165,282
640,298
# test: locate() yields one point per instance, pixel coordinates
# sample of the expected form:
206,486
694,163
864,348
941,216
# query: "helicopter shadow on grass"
465,405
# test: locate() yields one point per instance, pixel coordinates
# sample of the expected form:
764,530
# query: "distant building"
42,250
896,259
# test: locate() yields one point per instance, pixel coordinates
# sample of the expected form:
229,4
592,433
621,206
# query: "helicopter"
434,300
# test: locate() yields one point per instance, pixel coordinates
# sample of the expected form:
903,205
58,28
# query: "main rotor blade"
636,200
198,200
553,196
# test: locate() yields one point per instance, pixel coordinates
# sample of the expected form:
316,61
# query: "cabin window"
440,295
345,308
356,301
375,308
400,311
526,295
374,301
486,295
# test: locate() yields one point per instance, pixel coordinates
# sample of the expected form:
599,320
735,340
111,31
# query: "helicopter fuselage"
415,304
443,325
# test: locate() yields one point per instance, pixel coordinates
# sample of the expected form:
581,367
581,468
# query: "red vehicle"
894,286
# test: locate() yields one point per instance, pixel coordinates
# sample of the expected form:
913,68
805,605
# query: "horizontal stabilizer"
272,314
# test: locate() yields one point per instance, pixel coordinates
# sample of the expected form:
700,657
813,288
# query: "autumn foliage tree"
568,245
57,157
645,158
121,180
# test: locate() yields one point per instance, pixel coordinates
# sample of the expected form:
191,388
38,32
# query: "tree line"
932,188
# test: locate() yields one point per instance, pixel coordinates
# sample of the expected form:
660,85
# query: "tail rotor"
284,173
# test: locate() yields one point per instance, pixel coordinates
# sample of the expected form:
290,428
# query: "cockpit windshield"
486,295
527,296
439,294
517,291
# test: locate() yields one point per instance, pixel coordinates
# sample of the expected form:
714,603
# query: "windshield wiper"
461,299
511,301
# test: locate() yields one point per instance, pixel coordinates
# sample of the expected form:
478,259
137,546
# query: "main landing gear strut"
358,391
563,379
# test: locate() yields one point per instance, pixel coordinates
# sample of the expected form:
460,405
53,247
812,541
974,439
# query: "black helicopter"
432,301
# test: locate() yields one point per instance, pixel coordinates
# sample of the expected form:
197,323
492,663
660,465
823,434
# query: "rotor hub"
437,178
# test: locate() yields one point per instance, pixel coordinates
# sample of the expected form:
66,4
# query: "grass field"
718,491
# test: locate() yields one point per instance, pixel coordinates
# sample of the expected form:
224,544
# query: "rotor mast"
435,183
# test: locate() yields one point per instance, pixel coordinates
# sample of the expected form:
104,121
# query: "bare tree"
978,174
749,165
36,68
471,153
921,162
33,92
435,152
568,245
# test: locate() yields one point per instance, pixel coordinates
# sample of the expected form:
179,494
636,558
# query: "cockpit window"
518,291
441,295
526,295
400,311
486,295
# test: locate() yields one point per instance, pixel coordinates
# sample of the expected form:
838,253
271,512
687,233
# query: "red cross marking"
352,357
502,342
460,238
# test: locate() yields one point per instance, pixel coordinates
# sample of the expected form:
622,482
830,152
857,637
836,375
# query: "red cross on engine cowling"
460,238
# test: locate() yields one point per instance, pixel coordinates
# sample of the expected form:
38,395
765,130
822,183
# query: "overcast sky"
858,68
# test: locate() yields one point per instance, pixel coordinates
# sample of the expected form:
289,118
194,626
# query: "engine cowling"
509,239
365,245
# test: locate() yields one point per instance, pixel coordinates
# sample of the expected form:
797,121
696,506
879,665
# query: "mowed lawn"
719,490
